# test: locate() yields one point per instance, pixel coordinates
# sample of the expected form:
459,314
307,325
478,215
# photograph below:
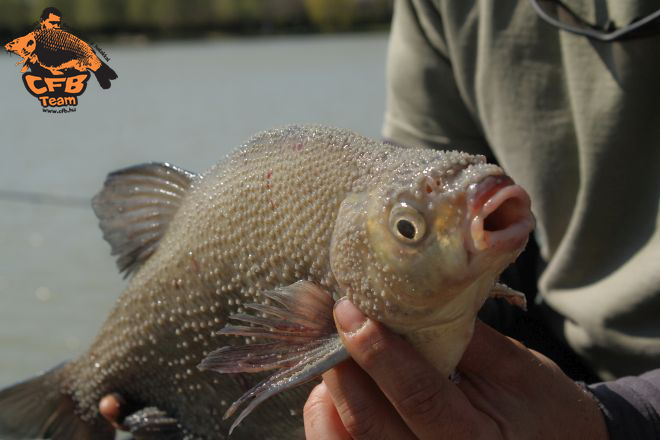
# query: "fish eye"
406,228
407,224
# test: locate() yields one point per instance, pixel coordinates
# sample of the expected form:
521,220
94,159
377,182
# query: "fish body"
57,50
349,215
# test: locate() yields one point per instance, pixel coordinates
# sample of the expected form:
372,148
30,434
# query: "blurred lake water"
188,103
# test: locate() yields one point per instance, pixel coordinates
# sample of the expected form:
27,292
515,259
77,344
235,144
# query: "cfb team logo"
58,63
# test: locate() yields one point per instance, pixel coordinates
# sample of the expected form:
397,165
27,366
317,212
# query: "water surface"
188,103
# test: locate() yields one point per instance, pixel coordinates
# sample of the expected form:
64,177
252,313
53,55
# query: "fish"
56,50
271,237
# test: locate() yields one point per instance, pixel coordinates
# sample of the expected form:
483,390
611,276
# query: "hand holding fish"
389,391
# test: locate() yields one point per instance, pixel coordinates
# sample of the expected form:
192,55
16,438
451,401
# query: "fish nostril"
508,213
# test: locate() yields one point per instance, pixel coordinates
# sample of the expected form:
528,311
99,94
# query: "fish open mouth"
500,215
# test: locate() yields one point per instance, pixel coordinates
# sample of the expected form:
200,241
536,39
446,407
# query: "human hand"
111,409
388,391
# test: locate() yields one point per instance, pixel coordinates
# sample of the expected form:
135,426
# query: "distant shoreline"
211,34
177,20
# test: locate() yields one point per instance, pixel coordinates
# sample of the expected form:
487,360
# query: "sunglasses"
561,16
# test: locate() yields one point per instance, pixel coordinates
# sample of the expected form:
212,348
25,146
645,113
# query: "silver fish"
271,237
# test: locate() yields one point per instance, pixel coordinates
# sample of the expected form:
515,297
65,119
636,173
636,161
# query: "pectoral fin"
152,423
511,296
135,207
303,343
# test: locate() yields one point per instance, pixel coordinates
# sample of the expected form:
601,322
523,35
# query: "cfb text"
56,91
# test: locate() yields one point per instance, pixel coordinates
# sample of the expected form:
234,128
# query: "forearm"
631,406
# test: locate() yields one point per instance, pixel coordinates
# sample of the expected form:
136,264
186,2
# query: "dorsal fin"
135,207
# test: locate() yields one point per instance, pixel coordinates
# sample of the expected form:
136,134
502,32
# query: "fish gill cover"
59,62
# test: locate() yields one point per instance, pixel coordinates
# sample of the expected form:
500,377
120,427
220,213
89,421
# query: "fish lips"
499,216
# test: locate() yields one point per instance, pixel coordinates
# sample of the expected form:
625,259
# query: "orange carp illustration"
57,50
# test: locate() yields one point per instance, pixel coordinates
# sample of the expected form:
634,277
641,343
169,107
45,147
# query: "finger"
321,418
495,356
532,391
496,364
429,403
110,408
364,411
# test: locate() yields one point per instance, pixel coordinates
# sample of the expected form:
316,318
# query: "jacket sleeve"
631,406
425,103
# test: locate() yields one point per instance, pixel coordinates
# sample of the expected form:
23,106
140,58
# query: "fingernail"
349,317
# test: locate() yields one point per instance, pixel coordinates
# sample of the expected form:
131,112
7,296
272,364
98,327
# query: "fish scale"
58,40
189,263
58,51
65,46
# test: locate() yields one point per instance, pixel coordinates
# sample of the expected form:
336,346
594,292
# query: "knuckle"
422,400
359,420
372,347
314,413
313,406
362,428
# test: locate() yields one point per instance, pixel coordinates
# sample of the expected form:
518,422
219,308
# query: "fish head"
427,241
23,46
